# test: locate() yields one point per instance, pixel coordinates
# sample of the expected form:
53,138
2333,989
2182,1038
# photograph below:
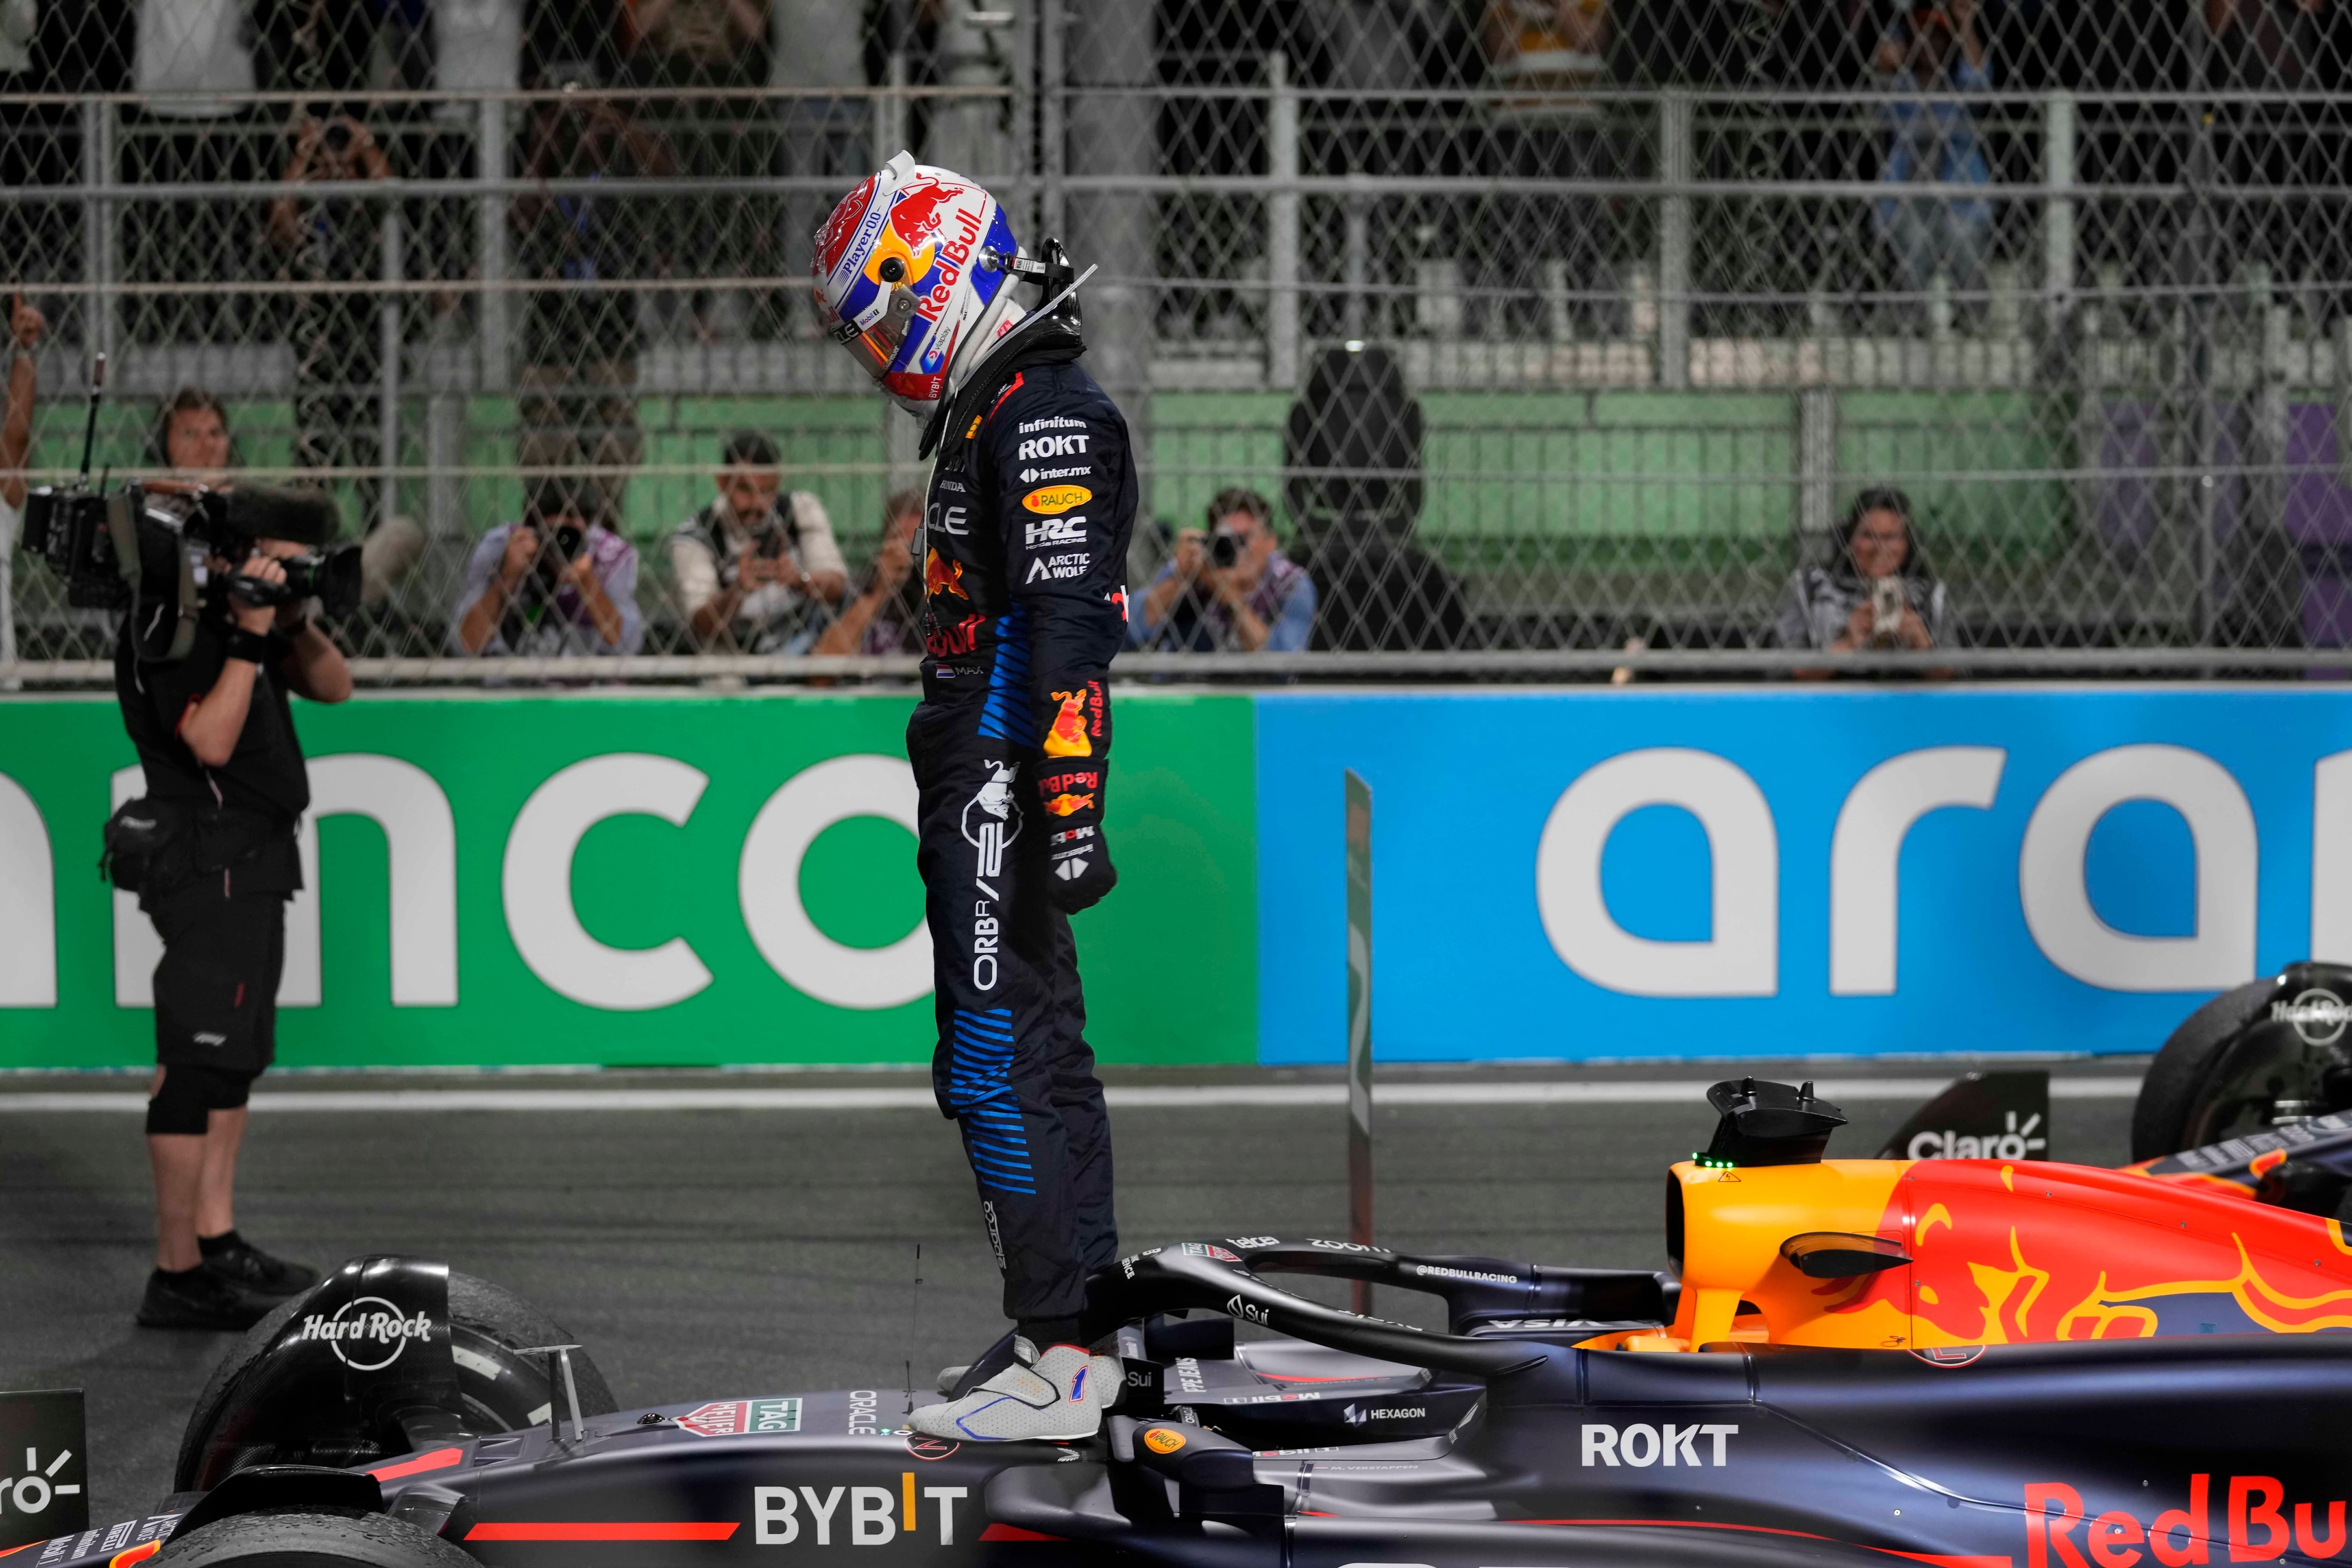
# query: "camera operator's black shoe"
238,1260
200,1298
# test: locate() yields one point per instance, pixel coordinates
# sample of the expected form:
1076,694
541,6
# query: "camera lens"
1223,550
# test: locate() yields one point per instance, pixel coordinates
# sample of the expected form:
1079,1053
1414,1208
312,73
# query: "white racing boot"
1048,1398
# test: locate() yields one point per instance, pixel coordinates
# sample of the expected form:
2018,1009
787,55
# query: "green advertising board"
626,878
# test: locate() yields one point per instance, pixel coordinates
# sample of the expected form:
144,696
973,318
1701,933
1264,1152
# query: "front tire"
498,1390
2176,1081
311,1541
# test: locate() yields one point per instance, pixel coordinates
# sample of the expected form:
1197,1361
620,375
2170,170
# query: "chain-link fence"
1537,336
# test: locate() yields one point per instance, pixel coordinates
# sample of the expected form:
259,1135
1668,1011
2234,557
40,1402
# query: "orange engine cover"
2002,1253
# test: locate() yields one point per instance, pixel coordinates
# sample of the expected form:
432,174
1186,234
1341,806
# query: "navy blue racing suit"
1025,544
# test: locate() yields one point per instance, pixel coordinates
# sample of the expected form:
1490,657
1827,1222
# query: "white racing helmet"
911,272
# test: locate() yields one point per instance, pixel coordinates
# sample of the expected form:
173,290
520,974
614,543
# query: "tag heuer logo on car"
1054,500
742,1418
2319,1017
367,1334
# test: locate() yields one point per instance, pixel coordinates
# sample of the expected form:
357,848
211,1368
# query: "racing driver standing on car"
1024,548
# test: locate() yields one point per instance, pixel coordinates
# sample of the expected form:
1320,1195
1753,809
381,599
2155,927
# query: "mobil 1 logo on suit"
43,1466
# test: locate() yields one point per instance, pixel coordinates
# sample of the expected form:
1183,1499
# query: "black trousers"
1012,1068
216,986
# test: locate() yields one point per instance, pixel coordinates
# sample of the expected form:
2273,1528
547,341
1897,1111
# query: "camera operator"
191,437
557,584
1226,588
756,569
216,736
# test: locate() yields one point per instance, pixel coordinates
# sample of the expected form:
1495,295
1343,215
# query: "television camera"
145,550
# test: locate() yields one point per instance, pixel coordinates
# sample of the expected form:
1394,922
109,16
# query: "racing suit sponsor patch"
1052,447
1054,499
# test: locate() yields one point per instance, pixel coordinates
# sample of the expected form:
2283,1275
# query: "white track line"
1147,1097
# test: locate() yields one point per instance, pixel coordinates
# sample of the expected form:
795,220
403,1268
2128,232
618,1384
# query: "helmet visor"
877,347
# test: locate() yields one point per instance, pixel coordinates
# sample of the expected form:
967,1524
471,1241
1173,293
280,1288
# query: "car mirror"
1839,1255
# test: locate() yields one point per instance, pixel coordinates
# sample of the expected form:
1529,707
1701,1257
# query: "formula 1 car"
2270,1052
1970,1363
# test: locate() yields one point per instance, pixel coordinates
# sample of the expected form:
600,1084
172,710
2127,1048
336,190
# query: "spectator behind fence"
2262,54
887,615
193,67
1878,594
25,326
580,343
557,584
710,44
1256,601
1548,55
756,569
1935,50
336,339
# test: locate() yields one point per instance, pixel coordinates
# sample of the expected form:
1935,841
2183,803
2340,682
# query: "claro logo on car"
368,1333
853,1516
1641,1445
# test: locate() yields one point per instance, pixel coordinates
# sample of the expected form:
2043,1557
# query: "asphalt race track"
701,1251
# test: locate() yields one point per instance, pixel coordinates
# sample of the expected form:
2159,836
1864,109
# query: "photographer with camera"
756,569
1227,588
1878,594
557,584
225,786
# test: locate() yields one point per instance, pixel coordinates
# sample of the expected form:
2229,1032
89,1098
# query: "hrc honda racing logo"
368,1333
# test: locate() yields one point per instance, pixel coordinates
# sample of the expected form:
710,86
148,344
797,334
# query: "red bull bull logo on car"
2006,1253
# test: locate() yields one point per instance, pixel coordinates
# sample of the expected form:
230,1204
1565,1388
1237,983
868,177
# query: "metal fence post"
1674,239
490,217
1113,113
1281,228
388,336
100,246
1052,149
2344,400
2058,212
902,439
1817,467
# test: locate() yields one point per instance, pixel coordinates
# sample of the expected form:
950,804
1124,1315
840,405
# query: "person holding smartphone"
1876,594
756,569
